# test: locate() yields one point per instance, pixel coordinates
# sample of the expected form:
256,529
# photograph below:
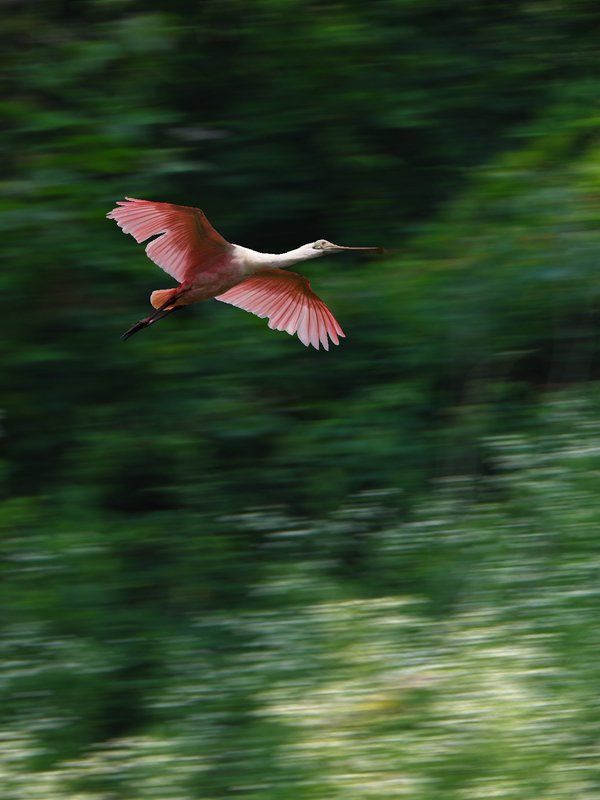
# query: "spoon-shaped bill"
334,248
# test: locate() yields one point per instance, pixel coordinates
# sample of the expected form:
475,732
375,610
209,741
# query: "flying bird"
188,248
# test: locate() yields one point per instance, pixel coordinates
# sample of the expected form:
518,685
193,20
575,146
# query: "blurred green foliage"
233,566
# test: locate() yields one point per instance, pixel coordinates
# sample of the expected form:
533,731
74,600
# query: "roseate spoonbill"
187,247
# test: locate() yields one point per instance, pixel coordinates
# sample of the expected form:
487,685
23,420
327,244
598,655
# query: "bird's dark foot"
142,323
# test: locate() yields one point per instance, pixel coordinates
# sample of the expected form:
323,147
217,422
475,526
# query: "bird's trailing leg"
144,323
160,313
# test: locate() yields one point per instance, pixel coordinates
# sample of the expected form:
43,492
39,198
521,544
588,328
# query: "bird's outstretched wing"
184,237
289,303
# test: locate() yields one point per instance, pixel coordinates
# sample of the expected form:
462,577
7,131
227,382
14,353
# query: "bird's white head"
323,248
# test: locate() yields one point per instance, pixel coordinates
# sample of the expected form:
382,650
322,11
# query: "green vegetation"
231,566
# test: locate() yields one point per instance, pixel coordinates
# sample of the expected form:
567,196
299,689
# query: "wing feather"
287,301
185,239
284,307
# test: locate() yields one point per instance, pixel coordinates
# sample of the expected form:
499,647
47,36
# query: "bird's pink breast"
212,279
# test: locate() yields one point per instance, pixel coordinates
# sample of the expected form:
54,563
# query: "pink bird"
187,247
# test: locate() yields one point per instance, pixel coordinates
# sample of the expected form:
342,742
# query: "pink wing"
186,240
289,303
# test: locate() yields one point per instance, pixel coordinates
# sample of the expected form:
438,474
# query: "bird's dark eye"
320,244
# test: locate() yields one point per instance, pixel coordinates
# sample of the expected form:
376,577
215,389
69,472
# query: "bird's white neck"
253,260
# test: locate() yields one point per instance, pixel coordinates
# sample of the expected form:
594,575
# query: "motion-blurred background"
231,566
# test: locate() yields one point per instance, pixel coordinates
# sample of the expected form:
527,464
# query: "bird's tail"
160,297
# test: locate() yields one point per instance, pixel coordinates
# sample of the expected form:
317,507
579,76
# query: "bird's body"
187,247
212,279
